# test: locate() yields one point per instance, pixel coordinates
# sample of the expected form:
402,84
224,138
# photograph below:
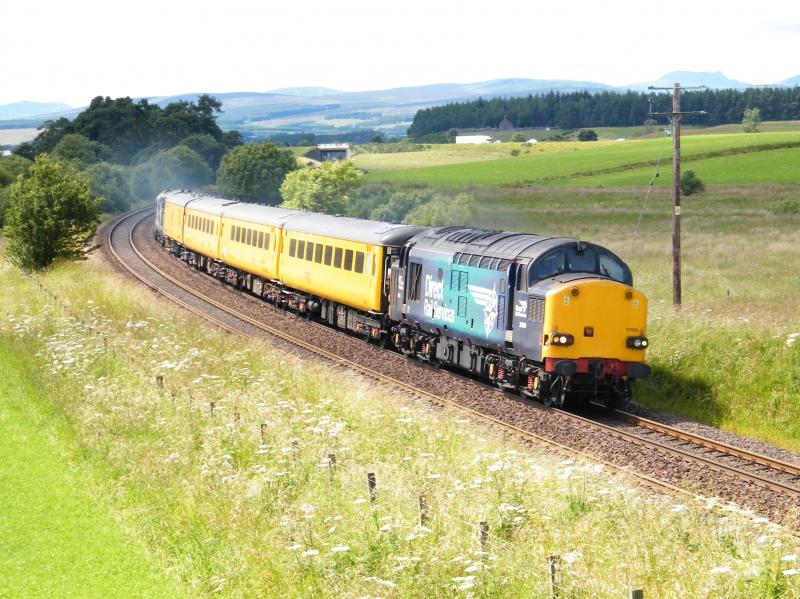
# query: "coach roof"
352,229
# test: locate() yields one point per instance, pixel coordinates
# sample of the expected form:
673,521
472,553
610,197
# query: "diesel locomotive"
549,317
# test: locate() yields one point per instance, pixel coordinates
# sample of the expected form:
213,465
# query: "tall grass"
234,514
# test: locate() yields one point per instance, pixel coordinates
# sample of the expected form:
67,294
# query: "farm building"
473,139
505,125
326,152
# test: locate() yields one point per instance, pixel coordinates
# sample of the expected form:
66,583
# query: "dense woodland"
606,109
130,149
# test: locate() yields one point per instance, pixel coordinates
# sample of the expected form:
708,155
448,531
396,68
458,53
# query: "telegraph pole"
675,117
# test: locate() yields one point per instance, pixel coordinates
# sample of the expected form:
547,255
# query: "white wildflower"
720,569
294,547
791,572
340,549
571,557
760,520
678,508
309,553
789,558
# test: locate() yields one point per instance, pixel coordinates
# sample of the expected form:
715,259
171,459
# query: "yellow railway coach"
340,258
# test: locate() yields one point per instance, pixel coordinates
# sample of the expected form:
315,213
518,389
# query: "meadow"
759,157
245,474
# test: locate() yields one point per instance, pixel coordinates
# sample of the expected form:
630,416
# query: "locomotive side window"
359,262
348,260
318,253
337,258
548,266
611,267
414,275
328,255
454,280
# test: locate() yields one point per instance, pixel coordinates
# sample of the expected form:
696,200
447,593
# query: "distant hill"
23,110
714,80
322,110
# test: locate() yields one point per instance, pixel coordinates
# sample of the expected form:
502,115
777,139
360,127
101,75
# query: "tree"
255,172
378,138
327,188
691,184
517,137
108,181
51,214
209,148
178,167
79,150
752,120
587,135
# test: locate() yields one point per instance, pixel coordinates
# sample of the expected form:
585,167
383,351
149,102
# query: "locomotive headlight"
637,342
561,339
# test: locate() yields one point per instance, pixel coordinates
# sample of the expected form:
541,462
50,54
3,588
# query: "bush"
787,207
691,184
443,210
515,152
255,172
50,215
517,137
587,135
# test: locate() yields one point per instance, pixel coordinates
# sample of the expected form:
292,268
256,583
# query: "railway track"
758,470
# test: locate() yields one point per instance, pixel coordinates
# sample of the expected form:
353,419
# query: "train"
554,319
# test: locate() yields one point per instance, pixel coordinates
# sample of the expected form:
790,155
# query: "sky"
60,51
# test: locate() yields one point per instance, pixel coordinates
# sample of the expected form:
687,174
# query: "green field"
58,533
577,164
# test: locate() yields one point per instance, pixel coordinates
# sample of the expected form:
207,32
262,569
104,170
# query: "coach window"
310,251
261,239
233,233
548,266
292,247
318,253
249,237
328,255
337,258
359,262
266,241
301,249
348,260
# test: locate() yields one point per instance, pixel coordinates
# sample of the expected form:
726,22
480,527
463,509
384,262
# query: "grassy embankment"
57,538
728,358
232,514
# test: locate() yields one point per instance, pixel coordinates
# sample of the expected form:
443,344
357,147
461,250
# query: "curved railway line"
773,484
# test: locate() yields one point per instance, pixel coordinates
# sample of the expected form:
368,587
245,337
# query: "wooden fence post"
371,484
160,381
484,528
553,562
637,594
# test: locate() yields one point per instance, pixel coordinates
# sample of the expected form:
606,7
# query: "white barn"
473,139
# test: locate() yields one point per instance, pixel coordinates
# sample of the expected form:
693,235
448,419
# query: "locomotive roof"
497,244
352,229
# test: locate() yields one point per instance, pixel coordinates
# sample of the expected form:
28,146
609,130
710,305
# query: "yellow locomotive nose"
595,318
